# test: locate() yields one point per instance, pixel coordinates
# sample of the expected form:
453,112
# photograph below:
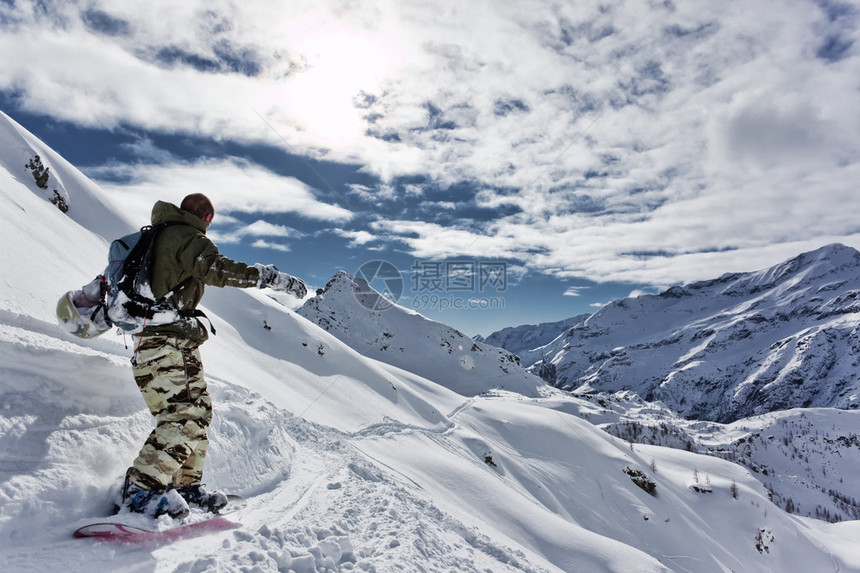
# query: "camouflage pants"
169,374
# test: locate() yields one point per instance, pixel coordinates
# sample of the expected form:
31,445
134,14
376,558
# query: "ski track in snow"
327,483
319,499
331,493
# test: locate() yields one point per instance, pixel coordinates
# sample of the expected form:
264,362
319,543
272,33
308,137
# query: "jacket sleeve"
215,269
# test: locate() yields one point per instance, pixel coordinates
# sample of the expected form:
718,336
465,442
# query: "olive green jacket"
185,260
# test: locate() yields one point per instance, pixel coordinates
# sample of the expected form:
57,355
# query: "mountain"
800,455
350,309
741,345
527,341
349,463
87,205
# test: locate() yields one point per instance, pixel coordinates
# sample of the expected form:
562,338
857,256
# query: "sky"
577,152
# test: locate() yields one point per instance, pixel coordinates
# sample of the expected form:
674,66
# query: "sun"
341,62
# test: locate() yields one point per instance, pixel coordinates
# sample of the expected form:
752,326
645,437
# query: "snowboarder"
167,474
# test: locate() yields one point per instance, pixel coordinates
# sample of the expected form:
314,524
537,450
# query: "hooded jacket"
185,260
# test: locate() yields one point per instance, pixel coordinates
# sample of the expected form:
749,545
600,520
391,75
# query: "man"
166,476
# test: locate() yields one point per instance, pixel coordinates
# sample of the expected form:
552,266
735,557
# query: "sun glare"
341,62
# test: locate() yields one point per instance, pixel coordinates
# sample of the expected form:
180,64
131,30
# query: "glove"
271,277
268,273
290,284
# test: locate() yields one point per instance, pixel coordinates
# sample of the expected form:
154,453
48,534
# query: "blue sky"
596,149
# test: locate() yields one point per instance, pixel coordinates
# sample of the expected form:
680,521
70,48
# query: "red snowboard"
118,531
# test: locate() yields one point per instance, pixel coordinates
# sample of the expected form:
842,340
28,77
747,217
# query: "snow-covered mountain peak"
355,293
342,281
740,345
831,268
529,340
350,309
63,183
833,260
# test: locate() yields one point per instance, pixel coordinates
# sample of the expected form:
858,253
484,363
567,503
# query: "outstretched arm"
271,277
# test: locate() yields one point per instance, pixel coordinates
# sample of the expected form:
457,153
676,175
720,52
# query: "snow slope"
397,335
806,457
528,340
349,463
737,346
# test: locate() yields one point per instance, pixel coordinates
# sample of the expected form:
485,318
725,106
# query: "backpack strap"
199,314
195,313
102,306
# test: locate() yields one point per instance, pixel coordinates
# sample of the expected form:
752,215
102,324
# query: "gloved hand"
268,273
271,277
290,284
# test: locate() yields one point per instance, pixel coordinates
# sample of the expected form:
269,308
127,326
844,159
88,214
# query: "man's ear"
208,218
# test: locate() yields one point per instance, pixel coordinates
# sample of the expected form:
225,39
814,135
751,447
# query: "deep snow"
349,463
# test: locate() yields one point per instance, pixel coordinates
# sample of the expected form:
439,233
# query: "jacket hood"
164,212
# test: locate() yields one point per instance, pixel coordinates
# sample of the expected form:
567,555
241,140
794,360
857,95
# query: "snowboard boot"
198,495
153,502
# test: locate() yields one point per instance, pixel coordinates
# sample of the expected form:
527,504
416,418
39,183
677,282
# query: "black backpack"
129,300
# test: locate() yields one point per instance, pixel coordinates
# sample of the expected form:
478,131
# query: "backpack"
128,298
122,296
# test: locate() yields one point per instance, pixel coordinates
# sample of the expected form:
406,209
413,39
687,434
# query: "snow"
738,346
397,334
527,341
350,461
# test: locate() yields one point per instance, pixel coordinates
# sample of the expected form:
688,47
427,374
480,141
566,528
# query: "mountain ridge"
739,345
359,316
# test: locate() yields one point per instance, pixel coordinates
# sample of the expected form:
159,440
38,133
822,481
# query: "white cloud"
642,142
439,205
574,291
357,237
266,229
238,231
377,195
93,81
261,244
233,185
639,292
433,241
145,149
